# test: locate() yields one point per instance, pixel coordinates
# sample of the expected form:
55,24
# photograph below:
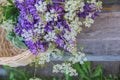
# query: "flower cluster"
78,58
8,25
35,79
42,22
65,68
46,58
50,26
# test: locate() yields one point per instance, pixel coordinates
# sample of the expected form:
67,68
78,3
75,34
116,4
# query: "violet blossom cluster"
56,22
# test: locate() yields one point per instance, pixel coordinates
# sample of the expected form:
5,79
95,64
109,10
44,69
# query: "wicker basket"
11,56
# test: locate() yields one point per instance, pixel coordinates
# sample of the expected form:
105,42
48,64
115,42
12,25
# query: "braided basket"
12,56
9,55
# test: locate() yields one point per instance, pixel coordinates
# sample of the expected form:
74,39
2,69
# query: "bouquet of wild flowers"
49,26
46,23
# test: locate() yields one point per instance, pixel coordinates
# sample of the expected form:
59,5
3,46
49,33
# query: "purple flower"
32,47
88,9
33,33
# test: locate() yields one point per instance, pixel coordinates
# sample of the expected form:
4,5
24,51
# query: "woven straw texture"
11,56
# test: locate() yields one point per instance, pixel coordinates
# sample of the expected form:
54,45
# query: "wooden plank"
103,57
111,8
108,58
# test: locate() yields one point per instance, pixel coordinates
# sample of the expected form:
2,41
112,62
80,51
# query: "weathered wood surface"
103,38
103,58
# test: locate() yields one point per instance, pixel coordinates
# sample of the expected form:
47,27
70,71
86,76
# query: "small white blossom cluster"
39,28
65,68
52,15
50,36
45,57
72,15
74,29
41,6
8,25
21,1
29,17
57,54
78,58
49,16
35,79
33,34
88,21
72,5
28,35
98,4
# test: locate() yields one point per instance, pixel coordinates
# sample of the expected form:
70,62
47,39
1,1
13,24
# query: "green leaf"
81,71
10,36
16,40
98,72
11,75
10,12
68,77
10,1
54,78
17,43
77,67
6,68
84,68
20,38
88,66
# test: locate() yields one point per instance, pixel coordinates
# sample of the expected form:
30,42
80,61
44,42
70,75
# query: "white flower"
91,1
21,1
51,36
29,17
70,15
78,58
41,6
52,11
88,22
72,5
45,57
35,79
49,16
65,68
72,48
98,4
8,25
39,28
57,54
82,4
75,29
28,35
